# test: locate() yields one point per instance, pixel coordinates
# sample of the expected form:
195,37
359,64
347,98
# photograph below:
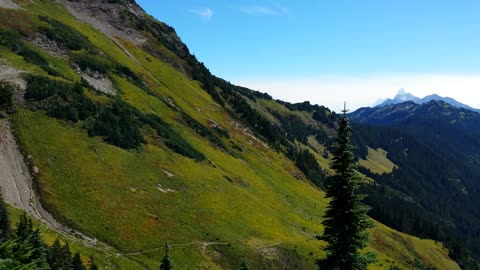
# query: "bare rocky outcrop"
15,178
8,4
164,190
126,20
49,46
14,76
99,82
107,18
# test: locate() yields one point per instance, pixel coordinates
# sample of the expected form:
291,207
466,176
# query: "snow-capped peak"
401,92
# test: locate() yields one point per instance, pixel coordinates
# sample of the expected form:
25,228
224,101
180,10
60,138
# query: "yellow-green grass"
112,194
98,39
12,59
320,149
273,105
105,259
377,161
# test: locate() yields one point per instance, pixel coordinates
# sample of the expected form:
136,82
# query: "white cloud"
204,13
358,91
264,10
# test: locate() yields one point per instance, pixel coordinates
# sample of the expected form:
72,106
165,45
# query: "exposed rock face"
8,4
15,178
109,17
49,46
125,20
14,76
100,82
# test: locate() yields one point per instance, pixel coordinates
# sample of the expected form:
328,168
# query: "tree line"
22,247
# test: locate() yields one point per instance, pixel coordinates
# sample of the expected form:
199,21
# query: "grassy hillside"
377,161
104,258
244,199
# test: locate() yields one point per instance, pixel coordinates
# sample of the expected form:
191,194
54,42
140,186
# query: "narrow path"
203,245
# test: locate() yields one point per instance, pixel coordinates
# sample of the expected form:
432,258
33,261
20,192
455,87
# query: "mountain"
436,147
131,142
403,96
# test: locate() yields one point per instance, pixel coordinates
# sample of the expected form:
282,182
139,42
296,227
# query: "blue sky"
332,50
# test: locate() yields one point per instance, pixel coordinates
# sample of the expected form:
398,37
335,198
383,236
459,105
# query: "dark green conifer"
166,261
28,248
6,95
67,256
77,263
59,257
4,222
24,227
346,217
54,257
39,250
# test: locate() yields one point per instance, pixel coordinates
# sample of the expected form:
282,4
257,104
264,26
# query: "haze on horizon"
328,52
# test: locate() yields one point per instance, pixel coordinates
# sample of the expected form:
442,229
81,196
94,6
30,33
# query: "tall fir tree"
58,256
24,227
346,217
29,243
166,261
77,263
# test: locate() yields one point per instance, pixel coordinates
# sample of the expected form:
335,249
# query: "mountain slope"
175,155
436,147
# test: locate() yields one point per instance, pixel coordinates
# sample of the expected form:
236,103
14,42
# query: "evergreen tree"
7,255
166,261
77,263
24,248
6,95
67,255
59,257
28,249
4,222
346,217
244,265
24,227
55,255
39,250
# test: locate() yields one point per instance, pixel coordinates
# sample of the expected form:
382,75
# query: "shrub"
64,34
13,40
92,61
6,95
71,103
119,125
203,131
173,140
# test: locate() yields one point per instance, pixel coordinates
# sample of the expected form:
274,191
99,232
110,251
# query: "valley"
125,142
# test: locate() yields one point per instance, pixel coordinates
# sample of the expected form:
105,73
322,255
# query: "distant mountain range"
436,147
403,96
